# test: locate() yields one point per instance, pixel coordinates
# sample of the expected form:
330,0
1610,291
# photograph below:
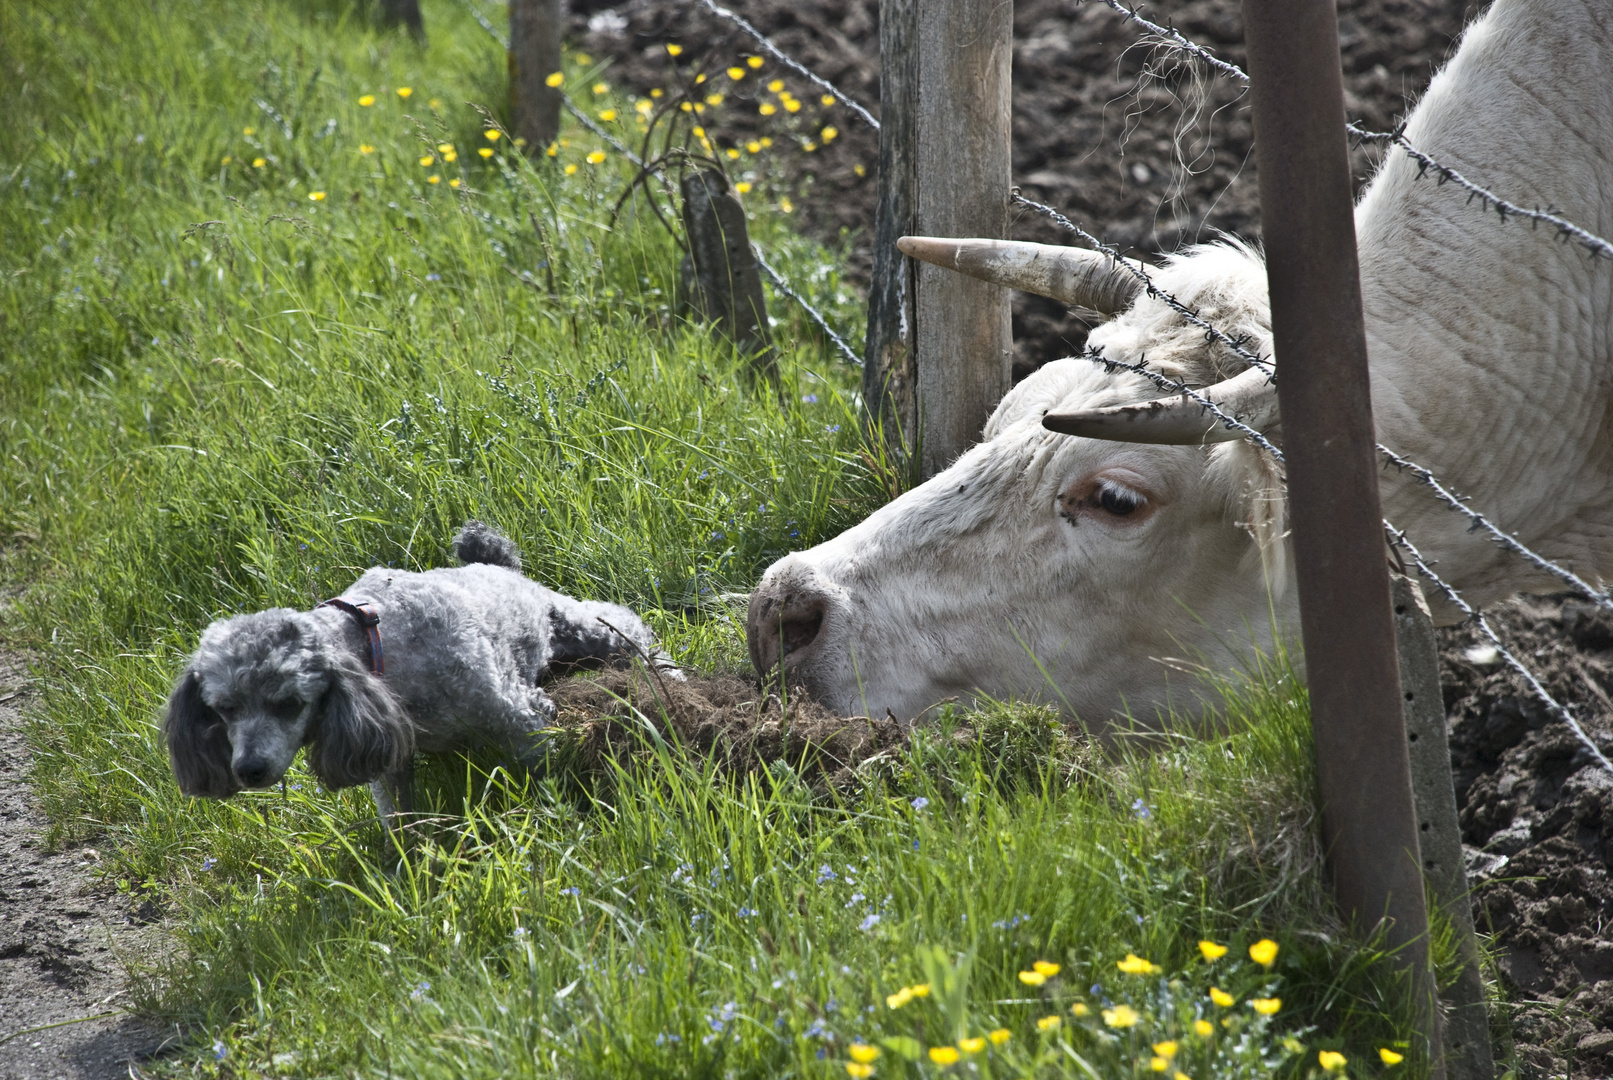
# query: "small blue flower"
1140,809
419,991
920,803
869,923
703,474
778,1024
716,1024
915,845
832,428
219,1051
433,277
745,912
208,863
826,873
571,891
810,399
520,932
664,1038
719,535
856,898
816,1030
823,1052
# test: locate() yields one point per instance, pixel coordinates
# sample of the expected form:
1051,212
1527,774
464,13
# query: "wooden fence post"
728,285
961,123
404,13
890,392
535,31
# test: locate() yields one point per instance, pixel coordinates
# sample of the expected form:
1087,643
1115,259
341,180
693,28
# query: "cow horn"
1251,397
1078,277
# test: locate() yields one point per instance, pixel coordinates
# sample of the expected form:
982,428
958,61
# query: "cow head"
1053,566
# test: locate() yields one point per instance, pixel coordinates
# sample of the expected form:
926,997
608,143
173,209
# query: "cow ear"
364,733
198,742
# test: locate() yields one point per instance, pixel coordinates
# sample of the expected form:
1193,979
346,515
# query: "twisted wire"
812,313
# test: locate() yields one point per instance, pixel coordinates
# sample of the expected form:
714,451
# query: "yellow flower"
972,1046
1159,1064
809,146
584,59
829,133
1263,952
226,160
754,62
686,107
607,115
253,130
1044,967
518,141
674,50
1331,1060
732,153
454,182
792,105
1389,1056
999,1036
699,132
776,85
492,134
435,103
553,150
601,88
1182,1076
742,187
944,1055
486,151
1165,1049
556,79
367,100
1211,951
596,157
859,170
1136,965
450,156
1221,997
405,91
861,1072
900,998
571,168
736,73
826,100
754,147
317,196
1032,978
766,142
921,989
767,108
365,148
258,163
1121,1016
863,1053
1080,1009
714,100
657,92
1049,1023
1266,1006
426,159
445,148
434,179
786,205
1203,1028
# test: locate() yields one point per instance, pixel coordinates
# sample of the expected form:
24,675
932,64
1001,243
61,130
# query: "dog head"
263,685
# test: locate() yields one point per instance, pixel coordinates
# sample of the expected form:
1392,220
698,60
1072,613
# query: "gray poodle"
433,662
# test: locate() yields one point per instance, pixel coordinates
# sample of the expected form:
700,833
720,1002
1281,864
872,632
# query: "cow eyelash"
1120,501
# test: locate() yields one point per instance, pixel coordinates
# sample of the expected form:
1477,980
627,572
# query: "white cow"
1068,568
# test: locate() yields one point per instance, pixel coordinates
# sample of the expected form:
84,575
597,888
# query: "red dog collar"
371,624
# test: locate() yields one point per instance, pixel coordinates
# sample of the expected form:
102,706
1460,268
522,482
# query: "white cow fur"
1490,346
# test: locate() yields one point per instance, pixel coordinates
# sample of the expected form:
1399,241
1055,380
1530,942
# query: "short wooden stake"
535,30
727,287
405,13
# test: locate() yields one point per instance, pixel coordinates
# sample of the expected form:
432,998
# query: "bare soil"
65,934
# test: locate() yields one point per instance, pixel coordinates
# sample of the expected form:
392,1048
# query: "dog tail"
479,543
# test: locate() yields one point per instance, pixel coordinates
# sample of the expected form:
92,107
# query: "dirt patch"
64,934
1139,151
1537,812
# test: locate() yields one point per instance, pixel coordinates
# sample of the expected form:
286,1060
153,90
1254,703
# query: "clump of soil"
1139,150
725,718
1537,814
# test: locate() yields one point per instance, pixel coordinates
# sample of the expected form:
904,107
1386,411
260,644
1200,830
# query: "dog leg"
394,801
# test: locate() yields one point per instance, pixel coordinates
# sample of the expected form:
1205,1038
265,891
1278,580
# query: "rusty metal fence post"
1369,826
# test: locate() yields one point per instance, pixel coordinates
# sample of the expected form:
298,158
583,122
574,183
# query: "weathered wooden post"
890,390
727,287
535,30
1369,825
405,13
947,73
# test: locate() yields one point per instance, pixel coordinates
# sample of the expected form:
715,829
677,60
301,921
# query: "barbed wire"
784,58
1211,332
1399,538
1174,386
1177,41
1506,540
812,313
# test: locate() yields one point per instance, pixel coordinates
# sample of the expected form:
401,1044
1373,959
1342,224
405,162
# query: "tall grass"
249,348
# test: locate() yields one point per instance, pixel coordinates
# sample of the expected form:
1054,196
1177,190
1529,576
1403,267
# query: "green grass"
221,394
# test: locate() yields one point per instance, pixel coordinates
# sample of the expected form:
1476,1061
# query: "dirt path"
63,933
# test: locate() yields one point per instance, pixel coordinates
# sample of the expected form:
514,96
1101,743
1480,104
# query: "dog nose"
252,772
784,618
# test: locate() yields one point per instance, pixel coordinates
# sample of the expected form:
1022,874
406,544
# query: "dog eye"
286,708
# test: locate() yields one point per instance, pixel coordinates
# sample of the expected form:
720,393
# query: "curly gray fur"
467,649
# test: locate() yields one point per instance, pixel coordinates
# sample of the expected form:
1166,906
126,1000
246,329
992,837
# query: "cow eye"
1119,501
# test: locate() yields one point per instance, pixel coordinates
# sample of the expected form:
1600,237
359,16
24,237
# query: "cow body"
1094,573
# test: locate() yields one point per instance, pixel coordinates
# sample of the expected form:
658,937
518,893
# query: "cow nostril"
800,631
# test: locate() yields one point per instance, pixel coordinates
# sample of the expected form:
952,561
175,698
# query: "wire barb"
812,313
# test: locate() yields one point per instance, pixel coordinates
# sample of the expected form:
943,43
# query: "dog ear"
364,733
198,742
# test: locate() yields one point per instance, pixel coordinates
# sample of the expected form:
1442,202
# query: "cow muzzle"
786,619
